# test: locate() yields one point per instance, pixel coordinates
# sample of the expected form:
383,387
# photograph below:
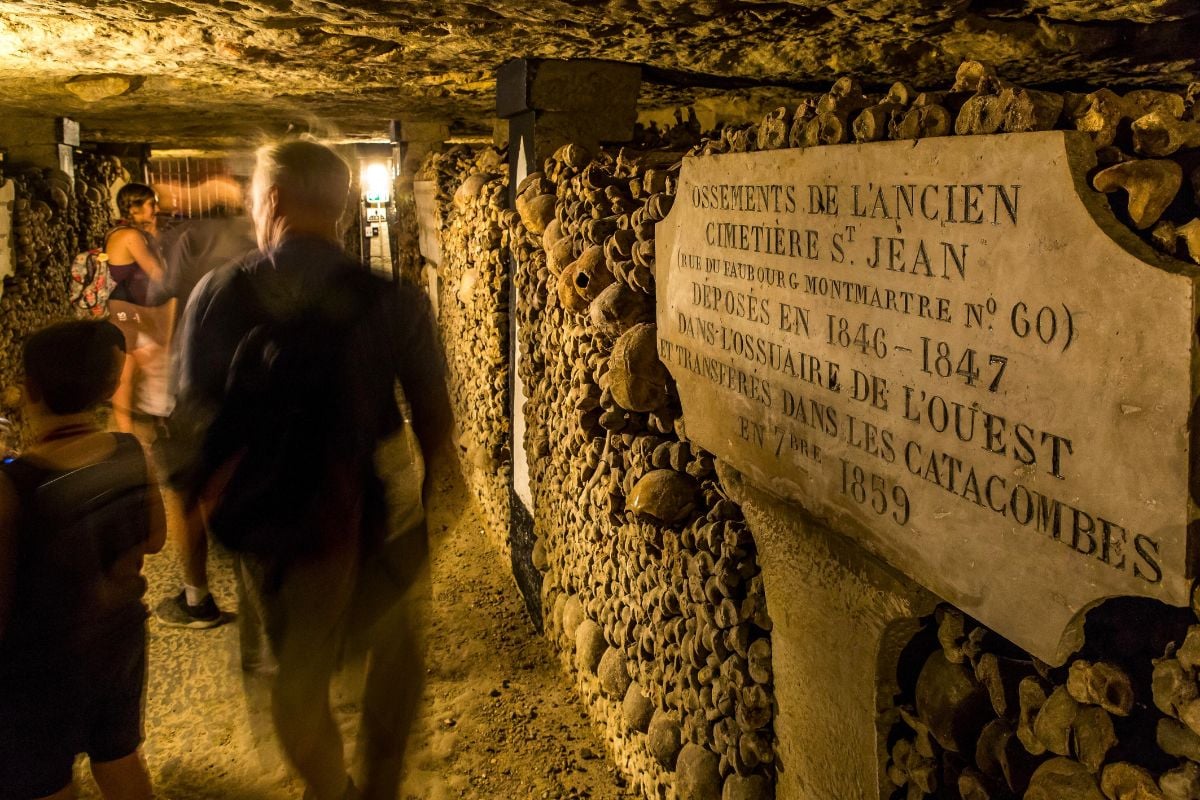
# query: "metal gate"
190,188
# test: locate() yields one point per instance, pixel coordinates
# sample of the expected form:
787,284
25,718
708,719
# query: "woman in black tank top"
135,263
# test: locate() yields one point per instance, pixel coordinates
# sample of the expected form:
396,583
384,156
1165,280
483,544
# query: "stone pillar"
41,141
413,141
8,251
549,103
416,140
840,619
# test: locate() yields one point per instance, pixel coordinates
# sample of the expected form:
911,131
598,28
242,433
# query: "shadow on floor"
214,789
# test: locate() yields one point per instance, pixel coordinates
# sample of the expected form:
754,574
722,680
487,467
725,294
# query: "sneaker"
175,612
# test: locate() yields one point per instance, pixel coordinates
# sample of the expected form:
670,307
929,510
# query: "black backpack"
80,544
278,434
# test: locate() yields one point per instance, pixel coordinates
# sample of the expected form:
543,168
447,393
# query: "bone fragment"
1150,184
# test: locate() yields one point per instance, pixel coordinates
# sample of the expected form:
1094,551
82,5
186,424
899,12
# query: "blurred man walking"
289,373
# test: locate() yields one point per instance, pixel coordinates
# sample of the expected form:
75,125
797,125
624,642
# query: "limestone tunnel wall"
659,565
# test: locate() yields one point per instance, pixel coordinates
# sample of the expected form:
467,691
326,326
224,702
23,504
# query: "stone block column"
41,141
8,251
415,232
841,619
415,140
549,103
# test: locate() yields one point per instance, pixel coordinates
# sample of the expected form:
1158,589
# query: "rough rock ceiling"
207,72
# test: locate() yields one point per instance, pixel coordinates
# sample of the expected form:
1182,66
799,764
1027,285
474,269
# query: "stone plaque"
425,198
68,131
951,351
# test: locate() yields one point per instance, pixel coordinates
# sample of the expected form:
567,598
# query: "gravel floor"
498,718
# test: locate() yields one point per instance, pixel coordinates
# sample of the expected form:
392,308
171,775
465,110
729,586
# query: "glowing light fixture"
376,182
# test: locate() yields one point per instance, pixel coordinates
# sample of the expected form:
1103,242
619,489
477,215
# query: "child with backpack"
79,509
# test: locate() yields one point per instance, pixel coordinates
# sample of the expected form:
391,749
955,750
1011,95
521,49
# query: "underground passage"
658,400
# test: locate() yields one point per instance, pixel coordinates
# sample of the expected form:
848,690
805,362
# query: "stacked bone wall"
473,319
651,579
977,717
41,207
1147,141
96,182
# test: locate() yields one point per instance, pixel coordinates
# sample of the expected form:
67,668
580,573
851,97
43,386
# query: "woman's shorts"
144,322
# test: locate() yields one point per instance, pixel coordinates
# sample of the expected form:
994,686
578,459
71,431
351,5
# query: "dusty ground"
498,719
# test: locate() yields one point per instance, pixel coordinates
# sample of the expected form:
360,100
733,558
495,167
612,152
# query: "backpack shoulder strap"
25,479
23,475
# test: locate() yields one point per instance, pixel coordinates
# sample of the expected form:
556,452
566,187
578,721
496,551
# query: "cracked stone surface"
200,72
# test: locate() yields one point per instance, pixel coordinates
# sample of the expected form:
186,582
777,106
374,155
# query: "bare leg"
151,395
122,399
187,533
192,538
124,779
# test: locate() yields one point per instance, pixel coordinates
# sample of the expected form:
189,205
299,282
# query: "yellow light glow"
377,182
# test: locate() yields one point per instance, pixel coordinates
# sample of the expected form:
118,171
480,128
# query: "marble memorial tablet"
951,351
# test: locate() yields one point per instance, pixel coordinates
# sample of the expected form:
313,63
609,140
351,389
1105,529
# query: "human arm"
8,549
422,375
169,328
209,333
221,310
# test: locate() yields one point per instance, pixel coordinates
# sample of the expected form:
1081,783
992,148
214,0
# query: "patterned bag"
90,283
